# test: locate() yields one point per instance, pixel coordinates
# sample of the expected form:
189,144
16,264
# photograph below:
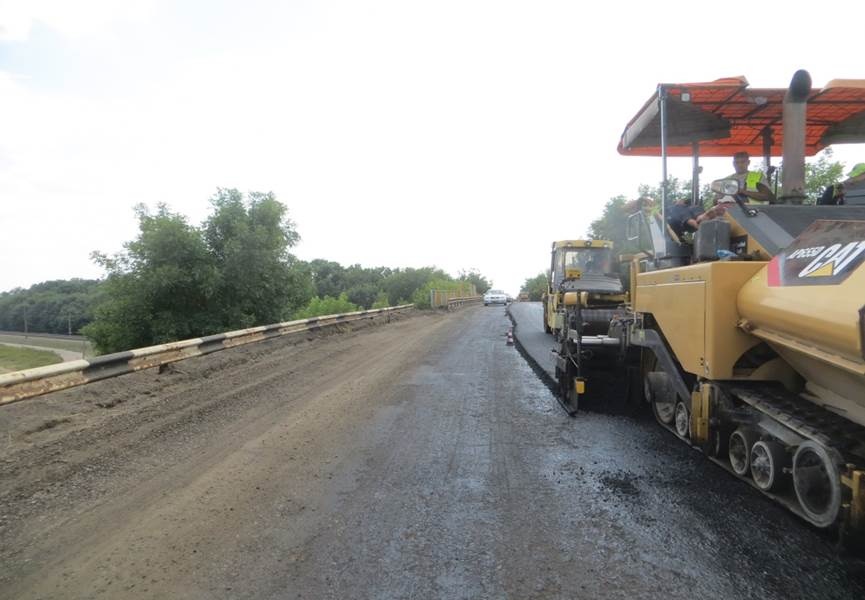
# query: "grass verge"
16,359
70,345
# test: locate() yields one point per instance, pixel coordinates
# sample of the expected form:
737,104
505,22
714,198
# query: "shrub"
319,307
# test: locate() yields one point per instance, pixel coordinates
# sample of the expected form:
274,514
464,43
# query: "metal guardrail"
457,302
41,380
441,298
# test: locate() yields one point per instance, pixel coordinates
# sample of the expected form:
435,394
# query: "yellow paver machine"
750,337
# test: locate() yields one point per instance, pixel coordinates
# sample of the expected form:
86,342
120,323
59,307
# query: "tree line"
176,280
61,306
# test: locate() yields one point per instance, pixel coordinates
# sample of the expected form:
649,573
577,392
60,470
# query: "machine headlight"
728,187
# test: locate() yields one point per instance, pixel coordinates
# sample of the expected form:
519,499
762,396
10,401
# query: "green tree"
473,276
259,280
177,281
328,277
381,301
612,223
536,286
363,285
421,296
402,284
356,275
364,295
319,307
820,174
159,289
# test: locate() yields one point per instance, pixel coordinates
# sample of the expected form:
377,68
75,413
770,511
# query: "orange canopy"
725,116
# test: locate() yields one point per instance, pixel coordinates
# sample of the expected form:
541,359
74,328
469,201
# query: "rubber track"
807,419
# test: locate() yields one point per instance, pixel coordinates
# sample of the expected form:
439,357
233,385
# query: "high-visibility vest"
752,179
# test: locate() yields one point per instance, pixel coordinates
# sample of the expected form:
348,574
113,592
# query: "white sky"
460,134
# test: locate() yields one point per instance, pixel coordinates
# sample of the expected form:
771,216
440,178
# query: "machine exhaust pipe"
795,107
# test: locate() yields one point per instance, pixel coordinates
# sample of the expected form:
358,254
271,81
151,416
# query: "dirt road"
422,459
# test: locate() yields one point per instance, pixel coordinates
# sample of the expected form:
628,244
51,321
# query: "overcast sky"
457,134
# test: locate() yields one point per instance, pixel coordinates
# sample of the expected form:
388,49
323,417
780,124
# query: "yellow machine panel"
695,307
826,316
679,308
808,304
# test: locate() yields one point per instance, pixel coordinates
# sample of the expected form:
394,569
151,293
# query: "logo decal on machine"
824,254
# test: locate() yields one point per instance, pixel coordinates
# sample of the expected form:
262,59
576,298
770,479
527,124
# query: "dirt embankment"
82,469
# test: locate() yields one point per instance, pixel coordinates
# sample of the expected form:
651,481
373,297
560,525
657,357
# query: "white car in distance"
495,297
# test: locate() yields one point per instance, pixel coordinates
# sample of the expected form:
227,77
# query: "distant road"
53,336
66,355
59,343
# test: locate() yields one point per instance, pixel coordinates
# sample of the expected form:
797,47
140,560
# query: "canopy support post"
767,157
662,101
695,174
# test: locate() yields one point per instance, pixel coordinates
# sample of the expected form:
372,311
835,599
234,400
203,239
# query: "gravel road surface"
421,459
